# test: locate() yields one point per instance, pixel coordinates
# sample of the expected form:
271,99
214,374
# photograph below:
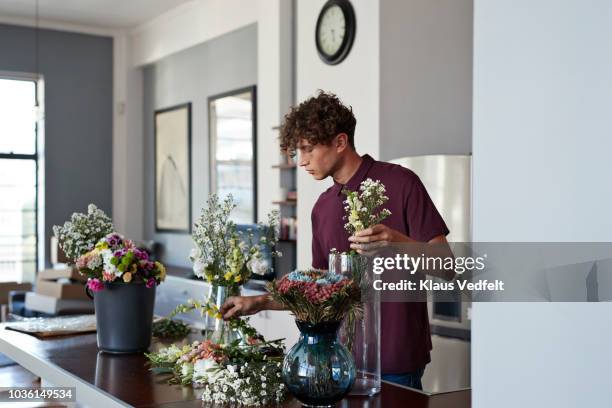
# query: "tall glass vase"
361,334
219,330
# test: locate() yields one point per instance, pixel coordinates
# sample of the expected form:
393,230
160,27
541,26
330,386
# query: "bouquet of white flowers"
80,235
225,256
361,205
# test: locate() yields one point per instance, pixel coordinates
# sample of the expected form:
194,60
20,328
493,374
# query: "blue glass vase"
318,370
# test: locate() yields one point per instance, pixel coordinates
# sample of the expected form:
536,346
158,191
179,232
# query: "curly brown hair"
318,120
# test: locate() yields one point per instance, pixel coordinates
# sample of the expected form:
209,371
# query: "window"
233,151
18,180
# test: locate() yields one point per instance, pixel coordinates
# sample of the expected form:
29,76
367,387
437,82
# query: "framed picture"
233,150
173,169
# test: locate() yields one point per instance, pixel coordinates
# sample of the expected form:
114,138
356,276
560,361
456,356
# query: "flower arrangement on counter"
83,231
315,296
116,259
225,256
104,256
248,375
361,206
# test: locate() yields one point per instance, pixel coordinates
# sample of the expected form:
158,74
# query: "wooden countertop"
124,380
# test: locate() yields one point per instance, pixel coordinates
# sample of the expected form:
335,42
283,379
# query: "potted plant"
120,277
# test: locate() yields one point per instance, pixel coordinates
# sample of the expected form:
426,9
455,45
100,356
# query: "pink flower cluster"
205,350
312,291
95,285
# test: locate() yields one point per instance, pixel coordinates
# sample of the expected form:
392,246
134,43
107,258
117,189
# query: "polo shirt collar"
354,182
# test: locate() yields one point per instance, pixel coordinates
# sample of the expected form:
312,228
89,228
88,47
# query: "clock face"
332,30
335,31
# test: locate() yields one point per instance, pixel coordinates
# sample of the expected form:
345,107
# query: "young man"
322,129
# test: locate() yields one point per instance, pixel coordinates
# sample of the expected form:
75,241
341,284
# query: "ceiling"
95,13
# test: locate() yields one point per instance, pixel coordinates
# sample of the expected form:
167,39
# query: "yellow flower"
228,276
162,270
237,278
102,245
214,314
127,277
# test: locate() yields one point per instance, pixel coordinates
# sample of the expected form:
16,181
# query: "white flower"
186,369
195,253
95,262
199,266
171,353
258,265
107,255
207,370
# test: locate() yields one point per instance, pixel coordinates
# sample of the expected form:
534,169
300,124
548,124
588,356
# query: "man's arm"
236,306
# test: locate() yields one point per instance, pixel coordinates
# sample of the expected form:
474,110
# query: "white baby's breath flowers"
221,251
247,390
79,235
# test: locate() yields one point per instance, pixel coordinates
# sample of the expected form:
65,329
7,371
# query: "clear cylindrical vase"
219,331
361,334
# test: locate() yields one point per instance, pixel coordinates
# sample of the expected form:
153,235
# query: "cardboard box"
54,306
55,274
61,290
6,287
65,283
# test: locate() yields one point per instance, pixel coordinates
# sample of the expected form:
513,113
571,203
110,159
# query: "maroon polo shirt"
405,337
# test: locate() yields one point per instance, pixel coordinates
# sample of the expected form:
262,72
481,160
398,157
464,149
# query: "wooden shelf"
285,166
285,202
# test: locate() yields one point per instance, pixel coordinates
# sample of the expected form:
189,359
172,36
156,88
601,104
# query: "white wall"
355,81
274,94
425,77
190,24
181,28
541,143
128,169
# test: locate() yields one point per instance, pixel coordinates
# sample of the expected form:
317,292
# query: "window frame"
39,230
212,140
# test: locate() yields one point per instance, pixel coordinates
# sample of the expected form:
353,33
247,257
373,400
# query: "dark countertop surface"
128,378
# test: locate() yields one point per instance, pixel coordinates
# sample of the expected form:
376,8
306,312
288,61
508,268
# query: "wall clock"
335,31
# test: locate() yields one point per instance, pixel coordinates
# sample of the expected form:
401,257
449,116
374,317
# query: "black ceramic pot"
124,317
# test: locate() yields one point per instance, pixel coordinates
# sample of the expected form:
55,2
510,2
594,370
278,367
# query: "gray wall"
223,64
542,126
78,75
425,77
